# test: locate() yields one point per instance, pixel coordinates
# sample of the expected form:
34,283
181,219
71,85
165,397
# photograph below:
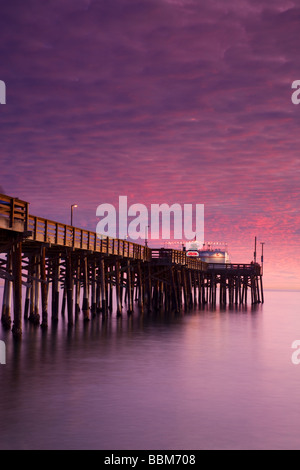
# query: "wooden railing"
14,212
170,256
254,268
196,263
14,215
48,231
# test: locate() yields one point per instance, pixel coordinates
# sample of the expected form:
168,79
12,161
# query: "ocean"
210,378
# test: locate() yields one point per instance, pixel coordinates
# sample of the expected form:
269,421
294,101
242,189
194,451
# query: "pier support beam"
55,287
44,289
94,289
64,300
17,289
103,287
129,289
35,318
69,288
261,290
110,289
118,291
7,295
78,285
175,300
32,289
140,282
85,302
28,289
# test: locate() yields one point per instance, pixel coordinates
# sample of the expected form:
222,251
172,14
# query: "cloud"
163,101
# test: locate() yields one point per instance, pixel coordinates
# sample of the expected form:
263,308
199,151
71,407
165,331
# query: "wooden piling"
178,282
98,287
148,287
195,280
174,292
118,291
85,302
236,289
121,284
64,299
35,318
7,294
185,293
93,288
199,281
55,287
32,290
190,290
140,282
28,289
204,279
78,286
261,289
129,289
17,289
69,287
245,287
103,287
110,289
44,289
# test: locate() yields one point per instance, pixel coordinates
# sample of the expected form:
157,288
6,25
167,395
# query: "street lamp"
146,230
72,207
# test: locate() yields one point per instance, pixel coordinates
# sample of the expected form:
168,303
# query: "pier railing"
254,268
13,213
170,256
48,231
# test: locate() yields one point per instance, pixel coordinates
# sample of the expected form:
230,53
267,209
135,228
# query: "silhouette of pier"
75,272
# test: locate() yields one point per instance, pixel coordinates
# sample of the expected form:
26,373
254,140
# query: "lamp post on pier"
146,235
72,207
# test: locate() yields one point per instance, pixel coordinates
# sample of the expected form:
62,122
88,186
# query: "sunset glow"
165,102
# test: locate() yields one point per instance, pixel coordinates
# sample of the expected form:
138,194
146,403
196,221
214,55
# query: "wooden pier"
64,270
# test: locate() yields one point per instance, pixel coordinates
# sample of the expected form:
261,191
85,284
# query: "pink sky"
165,101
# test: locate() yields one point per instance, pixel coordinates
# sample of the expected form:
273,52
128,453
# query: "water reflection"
208,378
53,344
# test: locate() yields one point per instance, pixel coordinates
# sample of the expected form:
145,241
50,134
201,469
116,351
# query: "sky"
163,101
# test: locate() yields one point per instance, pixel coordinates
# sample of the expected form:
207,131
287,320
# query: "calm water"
209,379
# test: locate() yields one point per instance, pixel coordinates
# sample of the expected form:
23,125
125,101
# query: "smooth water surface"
207,379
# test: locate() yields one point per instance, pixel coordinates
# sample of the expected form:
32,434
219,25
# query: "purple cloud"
163,101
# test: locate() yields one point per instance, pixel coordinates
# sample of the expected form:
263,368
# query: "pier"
65,270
